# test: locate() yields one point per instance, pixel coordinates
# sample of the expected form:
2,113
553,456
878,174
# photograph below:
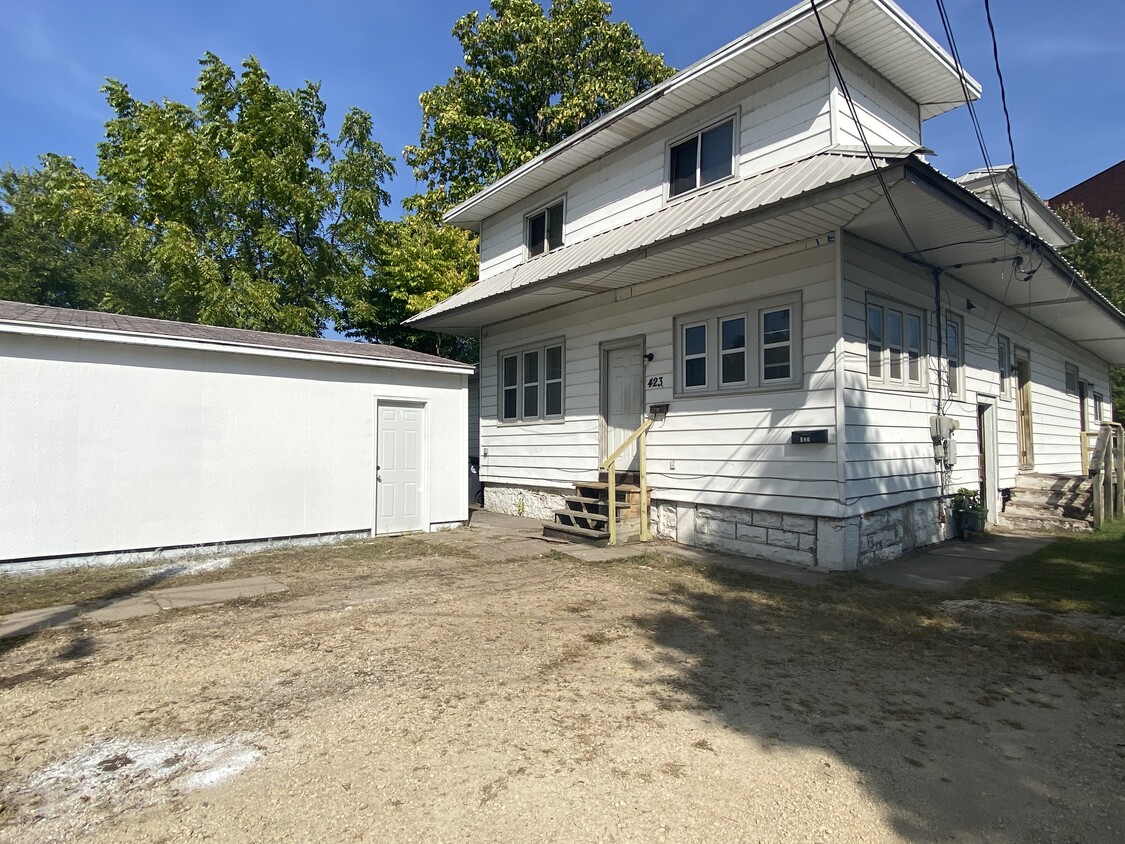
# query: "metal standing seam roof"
23,314
876,31
699,211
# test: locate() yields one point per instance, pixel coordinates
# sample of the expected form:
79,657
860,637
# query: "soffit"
965,237
729,220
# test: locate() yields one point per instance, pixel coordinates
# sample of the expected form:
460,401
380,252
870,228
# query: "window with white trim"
1099,412
1004,365
704,158
531,384
954,350
895,340
750,345
544,229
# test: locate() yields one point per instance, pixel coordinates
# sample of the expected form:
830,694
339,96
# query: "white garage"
125,436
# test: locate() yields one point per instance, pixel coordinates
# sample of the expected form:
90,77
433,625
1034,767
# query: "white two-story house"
831,335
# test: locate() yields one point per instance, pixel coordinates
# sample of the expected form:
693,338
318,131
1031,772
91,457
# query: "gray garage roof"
19,313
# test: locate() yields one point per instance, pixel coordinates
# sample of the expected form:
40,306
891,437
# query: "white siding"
888,116
784,115
889,451
730,449
113,447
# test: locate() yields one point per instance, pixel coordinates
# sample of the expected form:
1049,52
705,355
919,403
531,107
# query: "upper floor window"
705,157
531,383
545,229
740,347
894,345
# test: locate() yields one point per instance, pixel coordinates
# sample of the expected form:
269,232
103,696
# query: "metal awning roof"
1001,187
876,31
953,229
971,240
728,217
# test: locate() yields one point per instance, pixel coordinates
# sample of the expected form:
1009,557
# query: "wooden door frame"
1024,407
604,348
987,444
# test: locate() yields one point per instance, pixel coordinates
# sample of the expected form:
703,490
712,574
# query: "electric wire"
859,127
1004,102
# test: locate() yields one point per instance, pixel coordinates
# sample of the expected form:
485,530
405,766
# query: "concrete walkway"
950,565
144,603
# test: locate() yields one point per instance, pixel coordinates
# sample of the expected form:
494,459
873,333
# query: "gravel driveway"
474,687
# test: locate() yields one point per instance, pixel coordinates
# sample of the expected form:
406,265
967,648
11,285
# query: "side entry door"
399,488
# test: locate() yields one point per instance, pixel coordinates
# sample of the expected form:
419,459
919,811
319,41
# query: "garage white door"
398,475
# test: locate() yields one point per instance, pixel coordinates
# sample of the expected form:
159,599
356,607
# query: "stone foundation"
532,502
832,544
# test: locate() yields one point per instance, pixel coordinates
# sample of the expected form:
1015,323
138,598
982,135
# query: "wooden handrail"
610,464
1107,473
621,448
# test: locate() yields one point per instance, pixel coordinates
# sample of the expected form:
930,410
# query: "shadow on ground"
964,732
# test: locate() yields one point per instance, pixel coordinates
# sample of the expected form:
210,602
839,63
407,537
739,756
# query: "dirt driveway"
469,688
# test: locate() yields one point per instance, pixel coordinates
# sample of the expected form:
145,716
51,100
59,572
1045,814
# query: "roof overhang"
876,31
967,238
953,230
1002,188
808,198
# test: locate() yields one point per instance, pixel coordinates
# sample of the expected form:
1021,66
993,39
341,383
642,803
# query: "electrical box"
942,427
951,452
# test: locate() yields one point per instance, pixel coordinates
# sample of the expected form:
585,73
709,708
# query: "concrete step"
1043,523
1069,483
1021,507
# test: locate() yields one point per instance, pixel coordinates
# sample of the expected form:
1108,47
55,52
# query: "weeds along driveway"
446,689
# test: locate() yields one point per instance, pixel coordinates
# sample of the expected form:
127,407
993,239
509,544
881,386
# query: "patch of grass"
19,592
1084,573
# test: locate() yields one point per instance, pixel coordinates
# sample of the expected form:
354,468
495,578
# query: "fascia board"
157,341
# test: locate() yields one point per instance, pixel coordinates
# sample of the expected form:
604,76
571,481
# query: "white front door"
623,400
398,469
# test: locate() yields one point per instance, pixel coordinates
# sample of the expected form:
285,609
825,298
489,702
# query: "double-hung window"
750,345
955,355
701,159
1004,364
531,383
544,229
894,345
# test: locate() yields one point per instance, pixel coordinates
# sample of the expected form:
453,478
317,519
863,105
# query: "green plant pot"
974,520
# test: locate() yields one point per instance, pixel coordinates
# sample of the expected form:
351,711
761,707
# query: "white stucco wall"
106,447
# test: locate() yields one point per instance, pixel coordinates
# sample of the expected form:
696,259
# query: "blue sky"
1062,62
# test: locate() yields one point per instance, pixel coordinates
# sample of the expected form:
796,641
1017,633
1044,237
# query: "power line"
1004,101
859,128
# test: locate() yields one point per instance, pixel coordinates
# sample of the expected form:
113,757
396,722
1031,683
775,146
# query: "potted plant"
968,515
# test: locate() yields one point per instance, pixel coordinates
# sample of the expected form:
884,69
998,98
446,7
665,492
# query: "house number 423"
656,381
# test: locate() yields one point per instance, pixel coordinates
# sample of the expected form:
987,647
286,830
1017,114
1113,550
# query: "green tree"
57,246
417,264
531,77
242,211
1100,257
